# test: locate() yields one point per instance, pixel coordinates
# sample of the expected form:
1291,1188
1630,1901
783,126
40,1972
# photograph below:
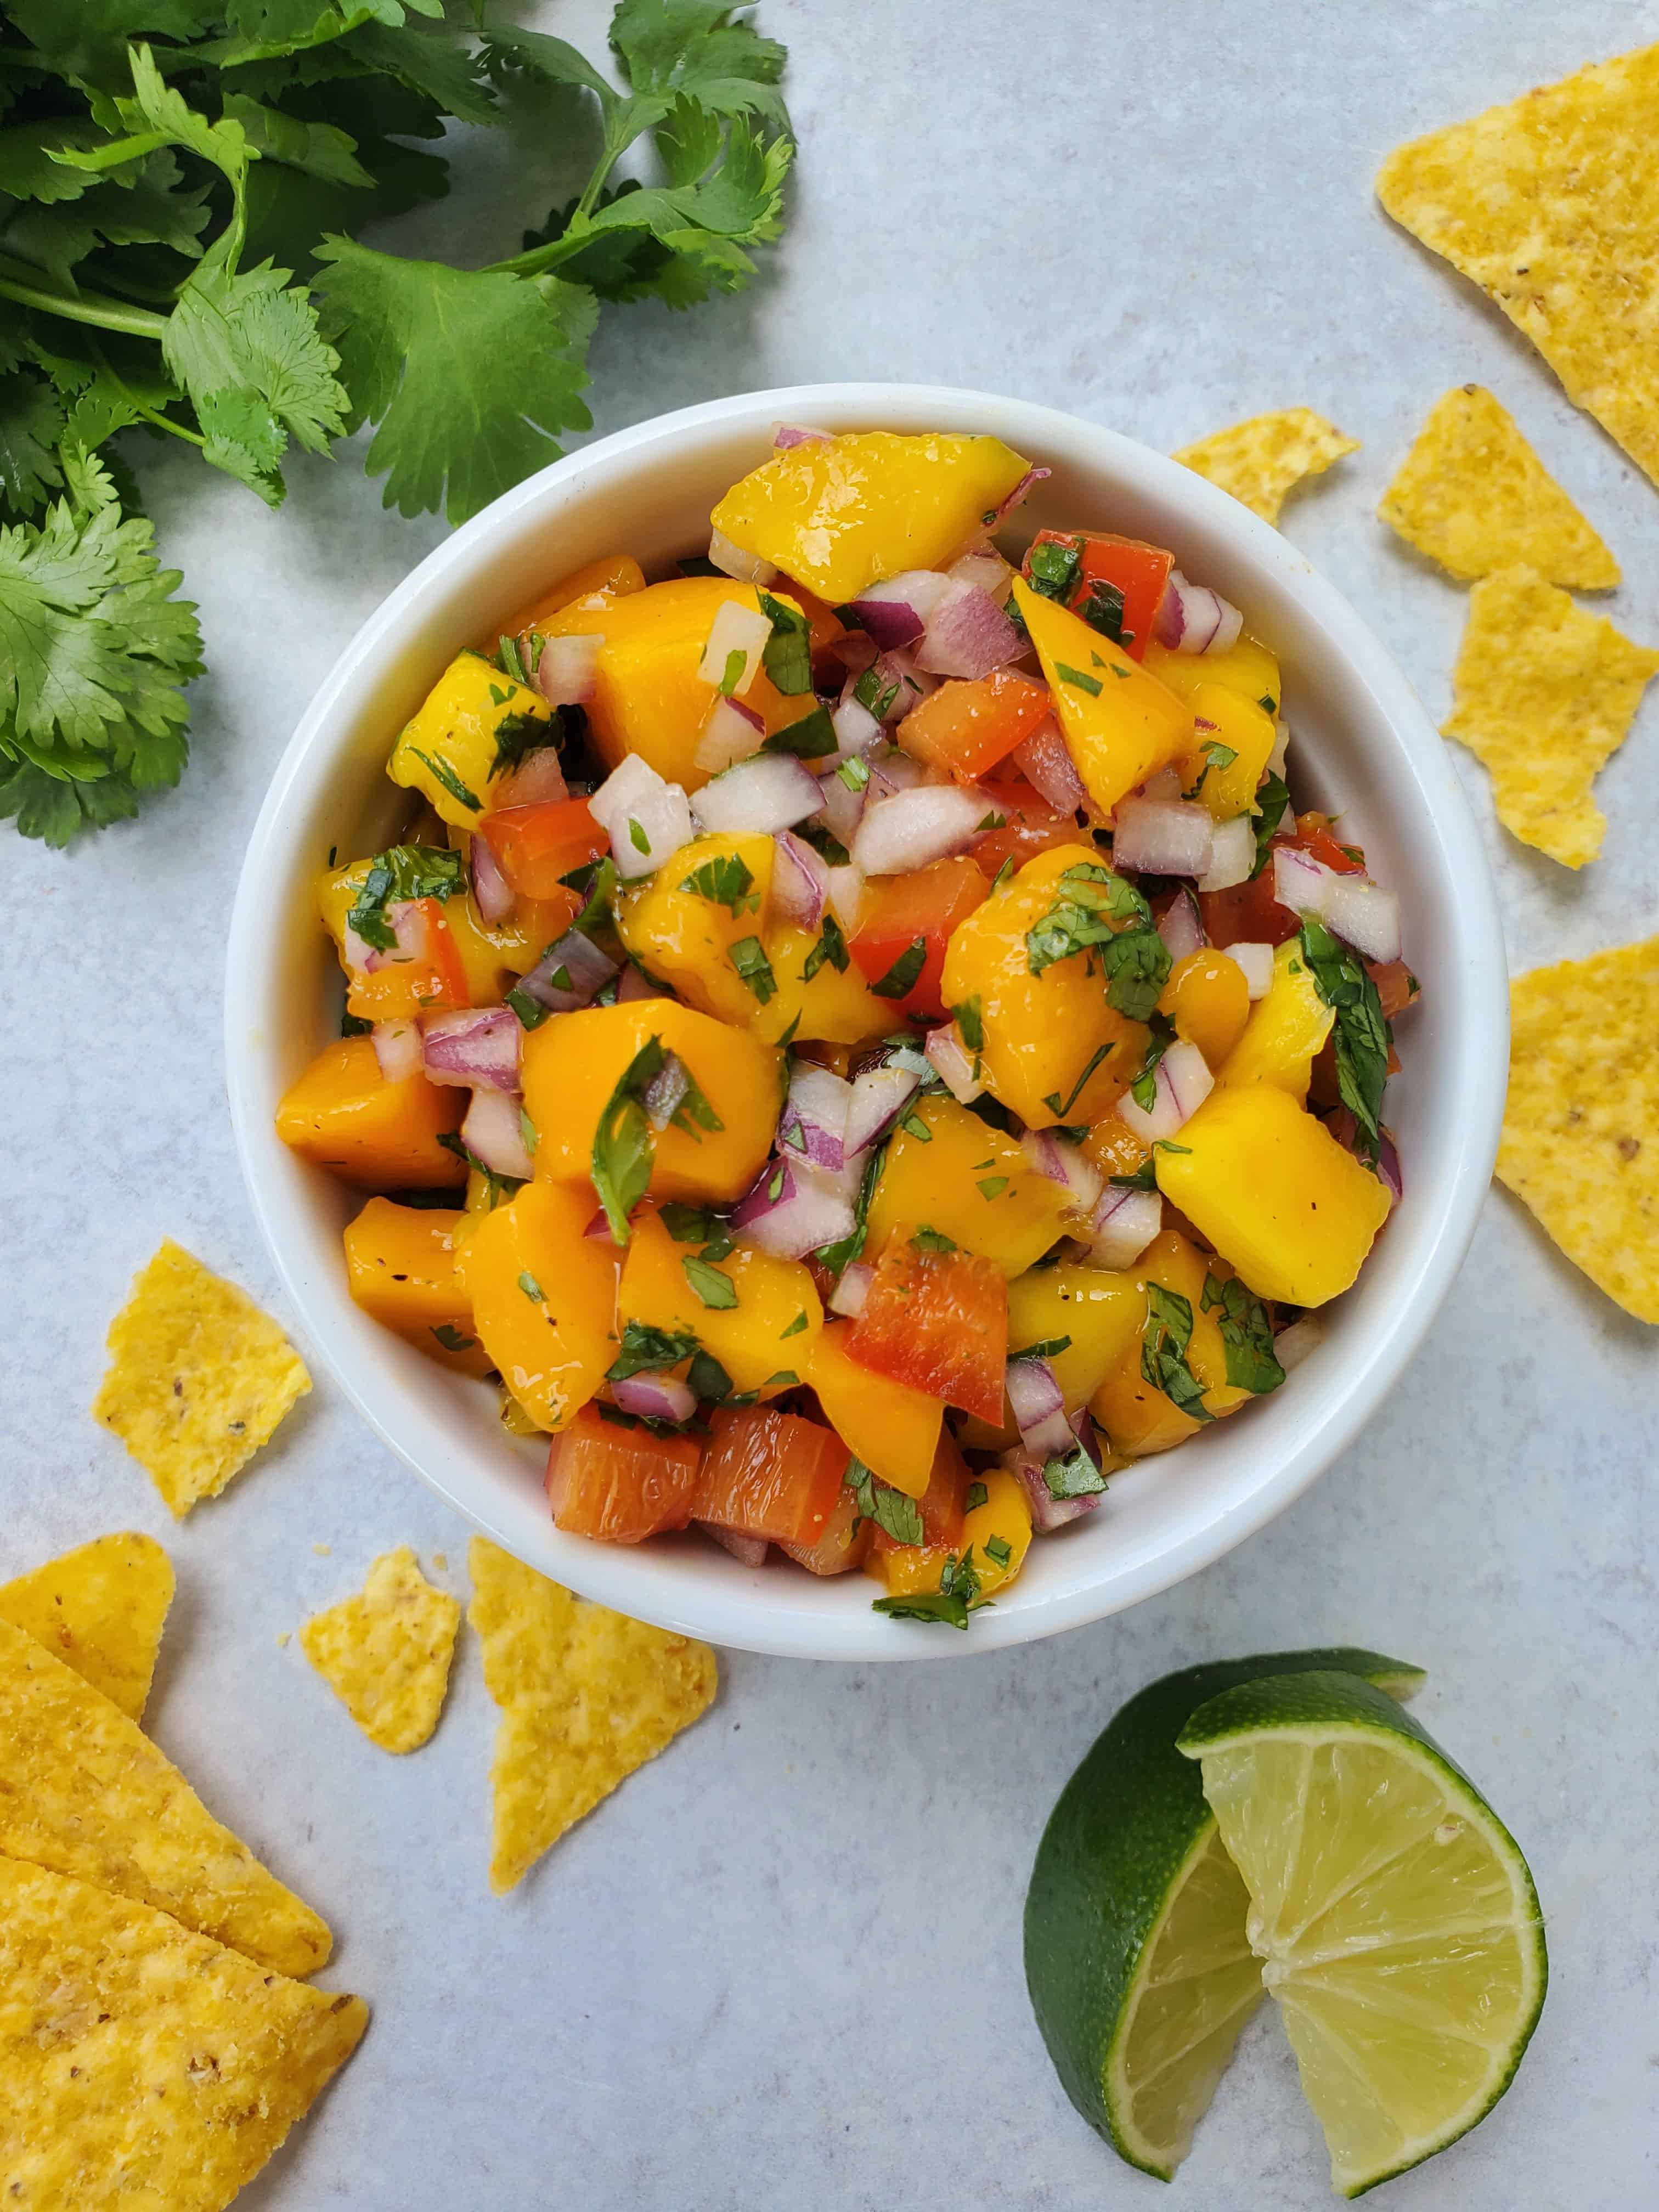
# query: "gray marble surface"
782,1965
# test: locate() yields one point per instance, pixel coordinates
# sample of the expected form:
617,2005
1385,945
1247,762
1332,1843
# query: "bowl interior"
1361,746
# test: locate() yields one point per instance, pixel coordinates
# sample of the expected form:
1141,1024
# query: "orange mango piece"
544,1296
400,1267
892,1428
343,1115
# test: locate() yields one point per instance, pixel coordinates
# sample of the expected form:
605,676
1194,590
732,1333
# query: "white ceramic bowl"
1361,744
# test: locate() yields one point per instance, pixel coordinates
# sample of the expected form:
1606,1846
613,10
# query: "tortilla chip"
1545,693
199,1377
142,2066
84,1791
100,1608
1551,205
386,1653
1581,1130
1473,496
1260,460
586,1697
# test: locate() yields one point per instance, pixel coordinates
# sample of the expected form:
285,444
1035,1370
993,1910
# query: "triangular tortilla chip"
1545,696
84,1791
586,1695
1260,460
1551,205
1473,496
386,1653
143,2066
199,1378
1581,1129
100,1608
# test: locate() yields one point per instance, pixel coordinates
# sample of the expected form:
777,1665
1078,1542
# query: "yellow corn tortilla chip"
1551,205
1581,1129
1260,460
143,2067
585,1696
386,1653
1473,496
84,1791
100,1608
1545,693
199,1377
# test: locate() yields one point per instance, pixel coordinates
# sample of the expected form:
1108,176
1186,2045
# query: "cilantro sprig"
1362,1035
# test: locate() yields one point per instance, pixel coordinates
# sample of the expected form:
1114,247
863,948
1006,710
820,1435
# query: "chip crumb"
142,2064
1582,1107
284,1637
324,1551
386,1653
100,1608
586,1696
1473,496
199,1377
1551,205
1261,460
1544,694
441,1560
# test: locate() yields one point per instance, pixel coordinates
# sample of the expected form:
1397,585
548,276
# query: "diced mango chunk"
1120,723
343,1115
544,1296
1285,1032
450,751
682,922
1238,726
969,1181
1099,1312
1246,668
892,1428
763,1341
400,1267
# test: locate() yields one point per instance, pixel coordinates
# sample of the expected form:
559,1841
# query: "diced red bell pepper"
771,1474
837,1550
943,1504
966,726
620,1484
1249,913
536,845
1030,826
939,1321
1138,571
902,913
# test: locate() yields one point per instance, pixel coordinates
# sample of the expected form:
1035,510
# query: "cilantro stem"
104,315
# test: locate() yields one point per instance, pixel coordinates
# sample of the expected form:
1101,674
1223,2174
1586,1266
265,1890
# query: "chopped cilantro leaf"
978,1495
724,881
1247,1334
831,946
690,1225
932,1240
1052,569
451,1338
646,1350
838,1256
872,695
787,653
1362,1035
715,1289
748,956
1272,796
1048,1347
948,1610
531,1288
1062,1107
707,1379
809,739
450,782
1077,680
999,1550
900,977
795,1326
1073,1474
969,1019
1143,1088
354,1025
992,1186
731,675
1103,609
1164,1339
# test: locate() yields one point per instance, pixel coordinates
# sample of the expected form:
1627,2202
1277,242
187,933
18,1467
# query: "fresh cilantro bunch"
183,184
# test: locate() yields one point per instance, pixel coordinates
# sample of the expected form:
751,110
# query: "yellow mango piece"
613,575
573,1064
544,1296
400,1266
685,936
892,1427
766,1337
1275,1193
447,753
843,515
1100,1311
949,1181
1004,1519
1246,668
1286,1031
834,1006
343,1116
1041,1032
1136,1415
1246,729
1120,723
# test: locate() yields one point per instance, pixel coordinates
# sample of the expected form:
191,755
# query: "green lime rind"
1126,1829
1320,1704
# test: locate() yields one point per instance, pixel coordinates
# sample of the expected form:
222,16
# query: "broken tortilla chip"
1473,496
1551,205
85,1792
141,2064
386,1653
199,1377
586,1695
1581,1129
1545,693
1260,460
100,1608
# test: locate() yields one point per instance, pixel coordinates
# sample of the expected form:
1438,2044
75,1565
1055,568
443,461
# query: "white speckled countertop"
782,1966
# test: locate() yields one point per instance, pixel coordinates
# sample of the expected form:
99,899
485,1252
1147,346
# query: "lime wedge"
1140,1972
1395,1919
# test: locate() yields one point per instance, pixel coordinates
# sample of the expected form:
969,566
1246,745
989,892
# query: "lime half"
1395,1919
1140,1970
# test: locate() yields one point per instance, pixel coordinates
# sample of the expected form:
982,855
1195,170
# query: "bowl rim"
701,1604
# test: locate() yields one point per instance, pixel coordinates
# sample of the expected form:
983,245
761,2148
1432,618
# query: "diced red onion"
598,1228
359,955
748,1551
1291,1346
1257,963
812,1126
731,733
491,891
1182,928
731,561
897,611
654,1395
898,673
1232,854
1162,836
800,880
1038,1409
950,1062
666,1088
968,634
1166,784
635,798
985,569
849,1294
772,792
1048,1511
398,1048
854,650
494,1134
477,1047
566,675
1356,909
1183,1083
894,769
1277,758
843,806
635,986
912,828
810,1210
1017,496
1389,1171
539,775
1124,1224
407,922
1192,618
880,1095
587,969
1045,761
1058,1160
735,628
847,896
856,728
786,435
